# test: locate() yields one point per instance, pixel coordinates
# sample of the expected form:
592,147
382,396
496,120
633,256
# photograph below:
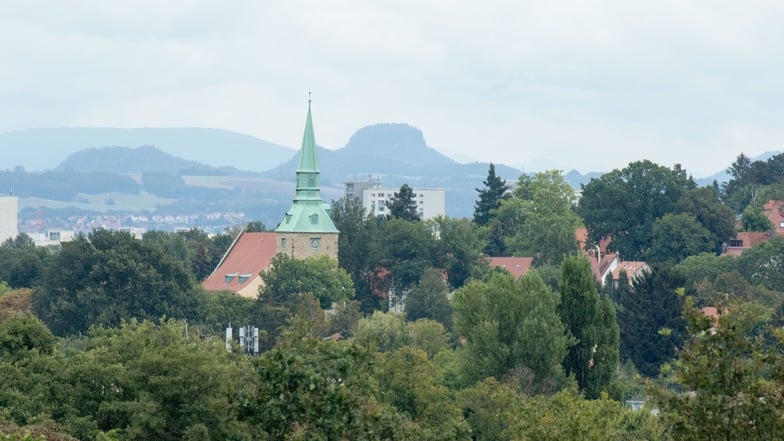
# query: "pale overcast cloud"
585,84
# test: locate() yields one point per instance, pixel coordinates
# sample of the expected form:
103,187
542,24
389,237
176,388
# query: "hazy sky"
585,84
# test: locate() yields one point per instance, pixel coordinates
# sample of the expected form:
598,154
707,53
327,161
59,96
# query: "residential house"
744,240
604,263
775,211
518,266
239,269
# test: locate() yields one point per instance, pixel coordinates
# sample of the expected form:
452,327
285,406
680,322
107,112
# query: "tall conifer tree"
403,205
490,196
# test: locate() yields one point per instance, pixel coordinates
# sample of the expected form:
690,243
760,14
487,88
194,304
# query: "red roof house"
518,266
238,270
744,240
775,212
633,269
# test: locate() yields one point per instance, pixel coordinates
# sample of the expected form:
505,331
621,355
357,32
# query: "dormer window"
229,277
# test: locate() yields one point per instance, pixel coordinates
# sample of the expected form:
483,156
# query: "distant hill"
44,148
577,179
398,154
126,160
199,171
392,152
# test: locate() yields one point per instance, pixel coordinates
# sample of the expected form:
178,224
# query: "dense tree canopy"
708,210
458,248
729,378
406,250
21,262
538,220
358,248
310,389
108,277
428,299
23,332
287,279
676,237
196,249
649,318
624,204
764,264
591,320
511,326
753,182
754,219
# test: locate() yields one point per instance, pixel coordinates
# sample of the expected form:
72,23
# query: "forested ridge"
110,337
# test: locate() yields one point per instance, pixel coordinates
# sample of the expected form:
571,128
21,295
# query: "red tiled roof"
581,234
775,211
749,239
713,314
248,256
598,268
518,266
607,260
633,269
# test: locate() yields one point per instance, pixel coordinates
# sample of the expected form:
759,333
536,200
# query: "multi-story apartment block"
431,202
9,214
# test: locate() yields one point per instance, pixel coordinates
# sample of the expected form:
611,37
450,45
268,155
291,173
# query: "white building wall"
431,202
9,216
52,237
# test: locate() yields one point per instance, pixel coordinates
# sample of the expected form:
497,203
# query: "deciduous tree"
764,264
728,377
358,249
539,220
429,299
592,322
458,248
310,389
624,204
411,383
754,219
509,325
406,250
705,205
676,237
108,277
287,279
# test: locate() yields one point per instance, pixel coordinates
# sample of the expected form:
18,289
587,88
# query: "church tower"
307,230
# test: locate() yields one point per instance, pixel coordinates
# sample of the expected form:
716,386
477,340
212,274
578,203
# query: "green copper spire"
307,214
308,182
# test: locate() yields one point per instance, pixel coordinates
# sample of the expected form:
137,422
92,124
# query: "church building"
306,230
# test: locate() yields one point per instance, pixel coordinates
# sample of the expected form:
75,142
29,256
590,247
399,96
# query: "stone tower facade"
307,229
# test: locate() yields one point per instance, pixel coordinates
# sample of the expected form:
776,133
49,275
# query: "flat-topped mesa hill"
397,153
399,142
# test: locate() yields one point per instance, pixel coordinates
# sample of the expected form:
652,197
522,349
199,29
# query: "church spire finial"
308,98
